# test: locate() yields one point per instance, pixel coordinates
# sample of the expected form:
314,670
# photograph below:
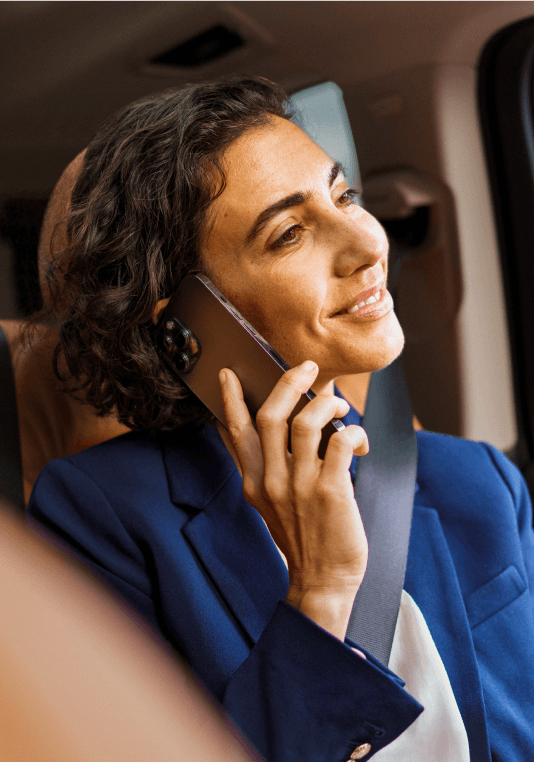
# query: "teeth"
371,300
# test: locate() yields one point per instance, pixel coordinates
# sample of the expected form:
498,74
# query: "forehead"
267,163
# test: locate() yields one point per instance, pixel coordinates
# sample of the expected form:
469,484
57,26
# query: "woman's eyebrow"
295,199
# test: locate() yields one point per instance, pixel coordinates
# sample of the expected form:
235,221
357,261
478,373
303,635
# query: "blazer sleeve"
300,694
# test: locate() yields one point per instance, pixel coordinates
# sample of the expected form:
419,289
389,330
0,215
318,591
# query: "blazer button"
360,751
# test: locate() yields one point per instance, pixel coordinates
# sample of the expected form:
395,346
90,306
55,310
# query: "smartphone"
202,333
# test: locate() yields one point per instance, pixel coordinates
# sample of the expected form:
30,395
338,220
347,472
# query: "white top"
438,734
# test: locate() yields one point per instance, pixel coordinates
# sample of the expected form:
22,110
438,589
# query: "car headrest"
53,235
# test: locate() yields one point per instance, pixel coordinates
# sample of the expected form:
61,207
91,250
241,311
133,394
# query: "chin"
383,351
389,351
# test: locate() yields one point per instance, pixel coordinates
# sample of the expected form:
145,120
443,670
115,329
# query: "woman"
217,178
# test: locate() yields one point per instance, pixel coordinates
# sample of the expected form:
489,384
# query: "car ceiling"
68,65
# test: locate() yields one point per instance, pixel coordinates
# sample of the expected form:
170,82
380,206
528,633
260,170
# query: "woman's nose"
359,242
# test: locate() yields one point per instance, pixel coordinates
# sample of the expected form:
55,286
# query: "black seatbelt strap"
10,457
384,491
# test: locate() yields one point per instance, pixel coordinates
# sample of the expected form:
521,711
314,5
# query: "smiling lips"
377,294
373,303
370,300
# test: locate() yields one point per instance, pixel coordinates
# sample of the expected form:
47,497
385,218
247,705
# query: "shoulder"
104,482
135,470
440,455
134,447
116,461
120,476
470,476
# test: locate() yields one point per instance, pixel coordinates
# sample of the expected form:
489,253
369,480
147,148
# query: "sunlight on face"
290,247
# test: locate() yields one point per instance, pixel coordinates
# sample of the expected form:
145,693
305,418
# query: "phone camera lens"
183,338
181,344
183,362
176,335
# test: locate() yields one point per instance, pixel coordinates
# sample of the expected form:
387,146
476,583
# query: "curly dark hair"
135,224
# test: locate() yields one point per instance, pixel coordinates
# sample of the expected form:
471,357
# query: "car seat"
50,423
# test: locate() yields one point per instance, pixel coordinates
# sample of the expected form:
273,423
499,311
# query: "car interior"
421,101
439,107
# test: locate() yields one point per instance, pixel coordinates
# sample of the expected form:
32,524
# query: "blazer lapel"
432,582
227,534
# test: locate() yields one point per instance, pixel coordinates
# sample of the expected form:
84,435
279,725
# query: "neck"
354,389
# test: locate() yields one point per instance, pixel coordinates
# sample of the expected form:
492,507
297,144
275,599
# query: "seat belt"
10,456
384,491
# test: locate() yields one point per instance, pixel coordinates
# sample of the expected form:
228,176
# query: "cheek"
279,301
282,303
264,308
287,323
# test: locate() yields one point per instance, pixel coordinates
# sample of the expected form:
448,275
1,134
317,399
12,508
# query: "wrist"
330,608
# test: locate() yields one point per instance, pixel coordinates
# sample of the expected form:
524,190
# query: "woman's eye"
351,196
290,236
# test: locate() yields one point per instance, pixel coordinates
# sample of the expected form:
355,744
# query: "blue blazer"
165,523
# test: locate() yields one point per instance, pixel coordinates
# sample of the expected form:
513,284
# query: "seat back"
10,454
49,424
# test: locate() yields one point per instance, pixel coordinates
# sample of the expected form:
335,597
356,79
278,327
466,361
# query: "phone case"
204,332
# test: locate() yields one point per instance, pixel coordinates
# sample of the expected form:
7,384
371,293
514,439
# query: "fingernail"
308,366
223,377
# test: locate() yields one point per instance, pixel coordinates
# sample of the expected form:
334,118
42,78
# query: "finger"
240,427
271,420
306,432
341,447
362,442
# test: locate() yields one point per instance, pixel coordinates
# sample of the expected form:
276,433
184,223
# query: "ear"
160,306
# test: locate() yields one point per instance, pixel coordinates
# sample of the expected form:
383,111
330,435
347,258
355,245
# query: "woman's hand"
307,503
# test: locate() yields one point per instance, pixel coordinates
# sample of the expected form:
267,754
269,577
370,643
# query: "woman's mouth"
376,305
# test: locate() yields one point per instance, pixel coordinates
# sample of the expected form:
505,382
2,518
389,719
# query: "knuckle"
301,425
317,412
292,379
266,418
235,432
273,488
342,440
326,491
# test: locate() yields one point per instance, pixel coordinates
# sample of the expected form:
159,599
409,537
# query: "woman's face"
290,248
